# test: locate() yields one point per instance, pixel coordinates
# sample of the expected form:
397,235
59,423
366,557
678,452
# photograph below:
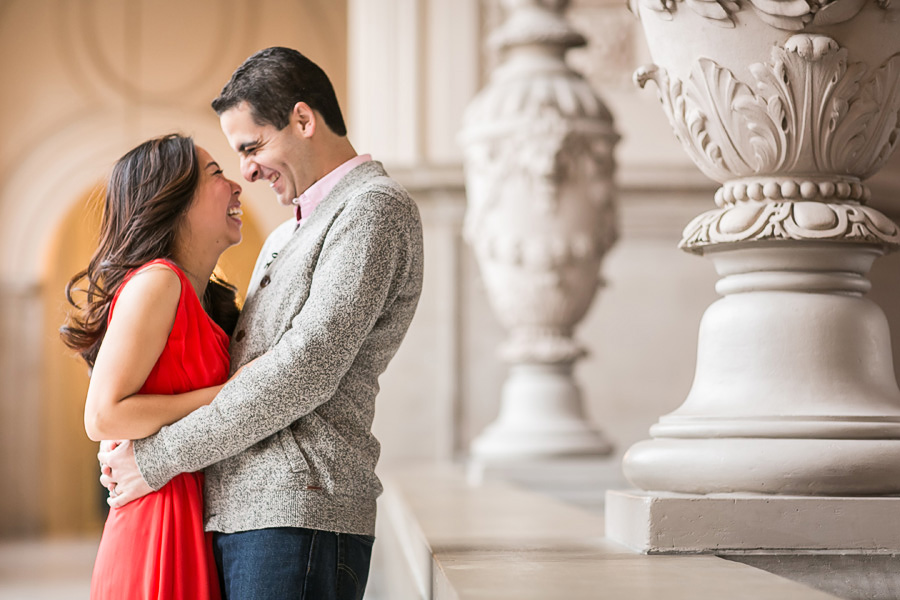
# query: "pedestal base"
541,416
669,523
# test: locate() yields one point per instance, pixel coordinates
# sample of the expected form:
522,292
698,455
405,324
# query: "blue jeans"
292,563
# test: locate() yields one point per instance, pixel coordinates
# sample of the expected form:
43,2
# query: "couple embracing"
261,415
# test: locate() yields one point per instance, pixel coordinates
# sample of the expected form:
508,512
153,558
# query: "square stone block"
668,523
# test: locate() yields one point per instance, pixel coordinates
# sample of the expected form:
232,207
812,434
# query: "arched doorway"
73,502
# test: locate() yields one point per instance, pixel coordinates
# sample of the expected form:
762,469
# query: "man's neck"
334,155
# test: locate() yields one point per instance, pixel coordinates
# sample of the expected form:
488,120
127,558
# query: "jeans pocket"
354,558
292,451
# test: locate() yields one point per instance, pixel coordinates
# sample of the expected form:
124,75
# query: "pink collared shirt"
306,203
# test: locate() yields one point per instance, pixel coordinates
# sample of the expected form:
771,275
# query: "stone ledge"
440,538
661,522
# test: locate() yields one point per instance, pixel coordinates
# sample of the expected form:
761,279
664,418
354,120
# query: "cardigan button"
240,335
264,281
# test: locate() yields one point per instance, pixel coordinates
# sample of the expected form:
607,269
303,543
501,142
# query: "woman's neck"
197,271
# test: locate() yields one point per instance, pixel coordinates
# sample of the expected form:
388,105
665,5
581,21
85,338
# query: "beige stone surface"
496,541
575,574
452,514
50,570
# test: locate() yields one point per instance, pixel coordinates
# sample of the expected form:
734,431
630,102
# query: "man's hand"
119,473
105,472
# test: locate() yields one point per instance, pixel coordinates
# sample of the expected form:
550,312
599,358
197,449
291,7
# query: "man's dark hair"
272,81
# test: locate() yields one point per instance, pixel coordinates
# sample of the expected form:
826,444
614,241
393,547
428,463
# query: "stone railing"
441,539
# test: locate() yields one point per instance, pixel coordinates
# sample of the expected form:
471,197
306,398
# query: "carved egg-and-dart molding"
790,15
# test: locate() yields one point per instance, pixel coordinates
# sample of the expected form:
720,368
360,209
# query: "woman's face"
213,221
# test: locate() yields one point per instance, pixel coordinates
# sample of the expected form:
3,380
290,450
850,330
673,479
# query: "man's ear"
304,118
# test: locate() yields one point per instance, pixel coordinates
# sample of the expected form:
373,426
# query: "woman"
153,328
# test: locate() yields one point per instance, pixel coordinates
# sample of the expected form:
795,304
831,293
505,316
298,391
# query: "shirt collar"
306,203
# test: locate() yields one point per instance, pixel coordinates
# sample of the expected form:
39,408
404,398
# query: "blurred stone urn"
539,165
790,105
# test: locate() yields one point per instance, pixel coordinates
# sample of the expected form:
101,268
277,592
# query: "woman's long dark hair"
149,192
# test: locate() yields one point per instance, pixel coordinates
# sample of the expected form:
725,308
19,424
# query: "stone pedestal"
794,391
668,523
794,410
540,415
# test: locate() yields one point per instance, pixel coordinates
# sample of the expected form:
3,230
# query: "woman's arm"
134,340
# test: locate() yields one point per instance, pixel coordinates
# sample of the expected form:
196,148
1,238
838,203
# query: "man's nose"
249,169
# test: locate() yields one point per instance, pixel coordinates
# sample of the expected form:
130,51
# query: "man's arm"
365,254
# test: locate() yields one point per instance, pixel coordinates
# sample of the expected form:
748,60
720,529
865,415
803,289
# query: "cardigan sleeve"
364,262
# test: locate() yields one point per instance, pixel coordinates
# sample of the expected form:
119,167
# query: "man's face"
280,156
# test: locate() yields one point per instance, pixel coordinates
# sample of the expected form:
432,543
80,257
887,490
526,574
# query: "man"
287,447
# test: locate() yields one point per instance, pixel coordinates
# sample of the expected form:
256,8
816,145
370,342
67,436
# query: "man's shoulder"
379,193
370,178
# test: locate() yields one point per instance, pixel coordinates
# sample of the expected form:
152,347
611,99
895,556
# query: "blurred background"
83,81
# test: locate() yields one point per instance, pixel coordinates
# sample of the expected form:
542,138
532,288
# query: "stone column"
22,467
407,92
538,147
406,97
790,106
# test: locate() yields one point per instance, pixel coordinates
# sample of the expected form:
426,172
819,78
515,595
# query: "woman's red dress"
155,547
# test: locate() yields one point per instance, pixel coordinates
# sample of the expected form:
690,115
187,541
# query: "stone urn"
538,148
790,105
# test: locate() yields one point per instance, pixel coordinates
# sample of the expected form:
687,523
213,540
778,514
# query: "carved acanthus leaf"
881,124
809,111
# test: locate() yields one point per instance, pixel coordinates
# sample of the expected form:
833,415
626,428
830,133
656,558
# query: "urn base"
540,416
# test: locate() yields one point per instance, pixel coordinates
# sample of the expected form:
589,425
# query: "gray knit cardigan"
288,443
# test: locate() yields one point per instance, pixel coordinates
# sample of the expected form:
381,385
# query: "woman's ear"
304,118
